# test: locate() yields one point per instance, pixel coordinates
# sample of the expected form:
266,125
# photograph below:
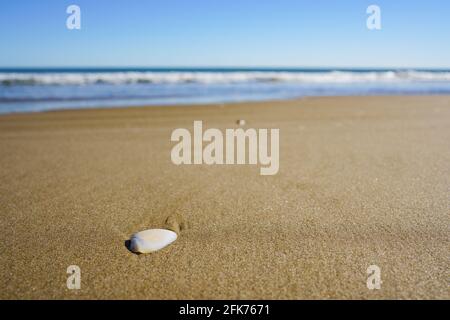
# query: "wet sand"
362,181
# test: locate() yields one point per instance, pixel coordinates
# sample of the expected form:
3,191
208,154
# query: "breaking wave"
231,77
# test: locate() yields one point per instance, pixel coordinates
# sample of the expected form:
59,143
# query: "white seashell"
241,122
151,240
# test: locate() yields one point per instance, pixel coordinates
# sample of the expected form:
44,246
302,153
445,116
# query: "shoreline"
363,180
219,104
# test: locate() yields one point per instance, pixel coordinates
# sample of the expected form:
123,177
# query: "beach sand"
362,181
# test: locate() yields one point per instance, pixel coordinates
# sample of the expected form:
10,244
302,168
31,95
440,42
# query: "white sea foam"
71,78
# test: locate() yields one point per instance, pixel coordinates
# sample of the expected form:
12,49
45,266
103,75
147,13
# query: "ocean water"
24,90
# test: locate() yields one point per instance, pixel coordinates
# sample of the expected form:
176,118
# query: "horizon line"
212,67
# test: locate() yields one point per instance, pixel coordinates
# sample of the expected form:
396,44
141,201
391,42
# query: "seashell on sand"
151,240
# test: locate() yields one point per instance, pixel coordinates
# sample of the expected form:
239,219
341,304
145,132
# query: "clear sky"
295,33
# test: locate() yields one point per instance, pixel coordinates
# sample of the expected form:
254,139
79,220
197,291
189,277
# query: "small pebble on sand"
151,240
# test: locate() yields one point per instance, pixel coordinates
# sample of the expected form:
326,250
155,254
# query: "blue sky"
294,33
